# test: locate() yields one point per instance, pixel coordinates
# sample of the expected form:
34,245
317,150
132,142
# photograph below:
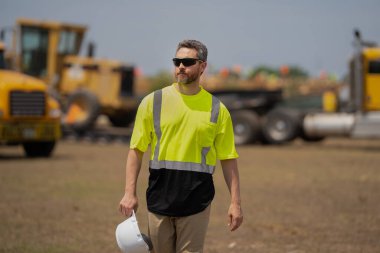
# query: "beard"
184,78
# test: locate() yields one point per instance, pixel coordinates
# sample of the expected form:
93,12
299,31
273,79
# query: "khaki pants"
178,234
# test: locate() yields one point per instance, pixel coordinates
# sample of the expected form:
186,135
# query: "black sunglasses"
187,62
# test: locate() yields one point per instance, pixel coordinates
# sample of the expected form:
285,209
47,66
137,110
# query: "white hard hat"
129,239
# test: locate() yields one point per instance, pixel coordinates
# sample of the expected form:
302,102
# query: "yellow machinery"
371,79
85,86
361,116
28,115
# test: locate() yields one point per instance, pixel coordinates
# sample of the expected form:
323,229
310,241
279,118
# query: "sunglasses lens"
185,61
177,62
188,62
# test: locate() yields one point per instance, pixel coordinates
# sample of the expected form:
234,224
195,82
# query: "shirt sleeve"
142,130
224,142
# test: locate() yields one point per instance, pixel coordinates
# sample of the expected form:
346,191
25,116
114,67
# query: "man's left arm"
231,176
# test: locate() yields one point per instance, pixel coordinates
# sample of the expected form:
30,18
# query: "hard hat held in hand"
129,239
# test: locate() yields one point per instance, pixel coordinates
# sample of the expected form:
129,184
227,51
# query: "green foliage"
161,79
262,69
294,72
299,72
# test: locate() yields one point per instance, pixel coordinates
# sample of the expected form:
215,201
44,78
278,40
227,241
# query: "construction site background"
229,79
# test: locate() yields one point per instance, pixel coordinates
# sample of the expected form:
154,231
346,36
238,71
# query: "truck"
249,110
356,115
359,116
85,86
28,115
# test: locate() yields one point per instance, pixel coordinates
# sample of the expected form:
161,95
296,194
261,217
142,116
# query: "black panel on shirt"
178,193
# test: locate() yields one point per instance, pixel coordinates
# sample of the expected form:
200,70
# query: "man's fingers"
125,211
231,222
235,216
232,227
128,212
235,223
127,205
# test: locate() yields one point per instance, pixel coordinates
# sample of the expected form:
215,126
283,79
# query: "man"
188,130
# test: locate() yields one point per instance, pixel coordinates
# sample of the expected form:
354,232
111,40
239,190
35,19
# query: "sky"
315,35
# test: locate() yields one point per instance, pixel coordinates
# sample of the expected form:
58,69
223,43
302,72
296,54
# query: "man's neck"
188,89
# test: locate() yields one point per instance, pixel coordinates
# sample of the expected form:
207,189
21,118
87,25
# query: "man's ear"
204,66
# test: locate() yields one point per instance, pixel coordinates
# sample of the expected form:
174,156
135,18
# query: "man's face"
190,74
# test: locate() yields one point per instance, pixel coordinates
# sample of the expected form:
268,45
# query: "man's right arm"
129,201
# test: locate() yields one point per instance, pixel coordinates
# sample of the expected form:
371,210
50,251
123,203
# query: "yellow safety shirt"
187,135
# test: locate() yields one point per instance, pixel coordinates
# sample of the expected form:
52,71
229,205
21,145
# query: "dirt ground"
297,198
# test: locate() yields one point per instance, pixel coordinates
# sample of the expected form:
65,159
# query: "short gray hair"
197,45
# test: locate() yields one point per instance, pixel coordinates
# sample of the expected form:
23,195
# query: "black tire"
88,109
39,149
122,120
246,126
281,126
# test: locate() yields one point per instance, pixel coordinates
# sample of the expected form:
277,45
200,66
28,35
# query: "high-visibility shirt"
187,135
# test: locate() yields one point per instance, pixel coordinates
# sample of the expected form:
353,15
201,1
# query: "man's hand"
129,201
235,216
127,204
231,175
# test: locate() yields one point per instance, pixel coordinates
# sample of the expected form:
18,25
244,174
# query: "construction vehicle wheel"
281,126
82,111
122,120
246,126
38,148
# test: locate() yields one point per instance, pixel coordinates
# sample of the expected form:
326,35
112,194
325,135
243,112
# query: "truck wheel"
38,149
281,126
82,111
246,126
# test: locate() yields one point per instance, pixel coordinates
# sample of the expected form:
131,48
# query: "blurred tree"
290,71
262,69
161,79
297,72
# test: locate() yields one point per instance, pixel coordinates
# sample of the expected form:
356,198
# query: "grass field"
297,198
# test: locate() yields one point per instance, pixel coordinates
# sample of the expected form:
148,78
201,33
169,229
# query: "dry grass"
296,198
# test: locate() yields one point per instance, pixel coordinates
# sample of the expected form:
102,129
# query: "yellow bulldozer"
28,115
85,86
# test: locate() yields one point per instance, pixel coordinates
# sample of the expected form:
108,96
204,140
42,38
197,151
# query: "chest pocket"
206,134
207,130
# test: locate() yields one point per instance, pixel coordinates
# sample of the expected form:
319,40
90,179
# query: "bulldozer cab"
42,46
85,86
